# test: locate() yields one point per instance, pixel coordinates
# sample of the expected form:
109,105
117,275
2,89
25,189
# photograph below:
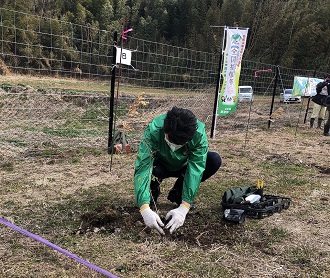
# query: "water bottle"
253,198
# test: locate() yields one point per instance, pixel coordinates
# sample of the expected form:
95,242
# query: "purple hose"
59,249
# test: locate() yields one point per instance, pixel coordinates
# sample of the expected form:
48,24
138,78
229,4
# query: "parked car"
286,96
245,93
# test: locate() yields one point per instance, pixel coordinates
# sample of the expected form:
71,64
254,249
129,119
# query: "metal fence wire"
55,87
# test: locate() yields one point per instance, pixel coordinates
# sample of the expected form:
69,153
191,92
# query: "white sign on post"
123,56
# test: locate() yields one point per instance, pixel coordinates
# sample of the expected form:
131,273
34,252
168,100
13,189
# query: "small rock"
139,224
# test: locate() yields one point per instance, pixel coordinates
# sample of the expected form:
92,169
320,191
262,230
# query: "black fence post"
273,98
112,92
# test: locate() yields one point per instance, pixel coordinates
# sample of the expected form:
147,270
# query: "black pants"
213,163
327,124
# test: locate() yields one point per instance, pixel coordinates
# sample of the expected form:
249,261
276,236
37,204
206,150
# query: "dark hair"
180,124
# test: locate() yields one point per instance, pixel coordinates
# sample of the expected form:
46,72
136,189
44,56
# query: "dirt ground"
71,197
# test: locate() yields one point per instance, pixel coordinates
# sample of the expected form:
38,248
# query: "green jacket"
153,144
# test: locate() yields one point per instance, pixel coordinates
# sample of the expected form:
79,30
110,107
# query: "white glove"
177,216
152,219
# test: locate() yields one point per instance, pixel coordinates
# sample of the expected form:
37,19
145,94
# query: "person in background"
174,144
327,124
319,108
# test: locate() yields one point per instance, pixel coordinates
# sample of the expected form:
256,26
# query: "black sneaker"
175,195
326,134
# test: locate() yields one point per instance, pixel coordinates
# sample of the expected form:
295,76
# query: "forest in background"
293,33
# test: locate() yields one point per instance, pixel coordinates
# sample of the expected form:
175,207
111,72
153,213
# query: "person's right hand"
152,219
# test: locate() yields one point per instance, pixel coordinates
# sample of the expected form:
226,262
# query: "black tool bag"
236,208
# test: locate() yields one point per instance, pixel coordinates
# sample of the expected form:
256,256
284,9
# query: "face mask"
172,146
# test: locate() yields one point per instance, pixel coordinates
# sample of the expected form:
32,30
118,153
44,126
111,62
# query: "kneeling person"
173,145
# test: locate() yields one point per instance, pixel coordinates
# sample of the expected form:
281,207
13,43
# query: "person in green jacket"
173,145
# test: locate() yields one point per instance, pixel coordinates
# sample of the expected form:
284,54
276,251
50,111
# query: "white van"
245,93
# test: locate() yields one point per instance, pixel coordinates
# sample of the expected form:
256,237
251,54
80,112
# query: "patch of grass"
272,236
66,211
75,160
11,186
121,110
66,114
49,144
298,169
71,133
284,168
278,234
7,166
292,181
95,115
188,264
64,155
16,142
95,152
10,204
49,152
301,256
16,246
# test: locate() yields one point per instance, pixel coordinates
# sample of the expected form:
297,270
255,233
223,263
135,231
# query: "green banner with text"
231,69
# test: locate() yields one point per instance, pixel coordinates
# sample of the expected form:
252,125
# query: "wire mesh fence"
43,116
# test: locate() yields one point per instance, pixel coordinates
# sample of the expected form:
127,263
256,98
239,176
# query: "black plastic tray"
268,205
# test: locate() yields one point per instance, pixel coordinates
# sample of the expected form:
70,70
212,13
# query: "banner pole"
216,97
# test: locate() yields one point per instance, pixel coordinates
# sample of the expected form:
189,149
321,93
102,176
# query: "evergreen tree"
292,33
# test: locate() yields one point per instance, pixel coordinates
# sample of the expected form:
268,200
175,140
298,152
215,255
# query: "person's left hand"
177,216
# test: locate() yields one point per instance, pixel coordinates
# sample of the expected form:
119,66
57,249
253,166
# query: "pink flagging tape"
125,32
57,248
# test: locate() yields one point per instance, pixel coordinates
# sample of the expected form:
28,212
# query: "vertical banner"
231,69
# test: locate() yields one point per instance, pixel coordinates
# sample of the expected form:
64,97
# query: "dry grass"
55,200
81,85
72,200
